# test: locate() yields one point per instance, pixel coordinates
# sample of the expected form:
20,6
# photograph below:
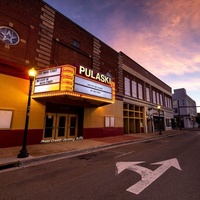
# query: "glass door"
72,126
61,124
50,122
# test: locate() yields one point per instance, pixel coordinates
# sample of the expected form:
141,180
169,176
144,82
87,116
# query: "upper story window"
140,91
154,97
134,89
168,102
127,86
158,99
147,94
161,100
76,43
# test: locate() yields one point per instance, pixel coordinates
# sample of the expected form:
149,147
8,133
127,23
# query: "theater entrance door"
60,126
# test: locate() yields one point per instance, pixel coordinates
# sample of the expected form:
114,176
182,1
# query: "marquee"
69,80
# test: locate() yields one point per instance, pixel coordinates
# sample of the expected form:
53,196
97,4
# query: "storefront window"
168,122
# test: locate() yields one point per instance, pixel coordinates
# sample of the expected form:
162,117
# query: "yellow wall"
14,96
95,117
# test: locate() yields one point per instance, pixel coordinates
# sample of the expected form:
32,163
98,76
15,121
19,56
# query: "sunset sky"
163,36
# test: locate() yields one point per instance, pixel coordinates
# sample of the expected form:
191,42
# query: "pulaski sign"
80,82
90,74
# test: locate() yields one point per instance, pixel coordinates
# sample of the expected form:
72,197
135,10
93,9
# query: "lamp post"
160,133
24,152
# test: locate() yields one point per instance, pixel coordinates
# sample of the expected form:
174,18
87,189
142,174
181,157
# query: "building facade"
83,87
185,111
143,92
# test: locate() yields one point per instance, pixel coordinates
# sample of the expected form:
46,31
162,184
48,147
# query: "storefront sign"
6,118
47,80
90,74
48,73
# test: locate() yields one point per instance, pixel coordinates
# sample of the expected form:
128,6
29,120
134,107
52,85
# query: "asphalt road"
133,171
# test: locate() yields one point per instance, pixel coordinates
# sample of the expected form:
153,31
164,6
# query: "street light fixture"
24,152
159,107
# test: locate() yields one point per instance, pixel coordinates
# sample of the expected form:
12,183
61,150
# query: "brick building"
83,87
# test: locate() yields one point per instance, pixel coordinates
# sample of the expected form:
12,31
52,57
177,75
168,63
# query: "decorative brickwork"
96,55
45,35
120,76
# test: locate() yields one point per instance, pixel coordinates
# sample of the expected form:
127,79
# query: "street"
161,169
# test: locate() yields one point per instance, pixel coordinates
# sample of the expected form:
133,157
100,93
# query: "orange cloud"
166,43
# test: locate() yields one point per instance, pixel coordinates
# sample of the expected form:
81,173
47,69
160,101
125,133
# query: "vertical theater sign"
79,81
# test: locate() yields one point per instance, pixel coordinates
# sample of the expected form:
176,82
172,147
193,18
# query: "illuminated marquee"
67,80
47,80
92,88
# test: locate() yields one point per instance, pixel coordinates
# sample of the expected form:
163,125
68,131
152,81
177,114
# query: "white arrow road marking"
121,166
148,176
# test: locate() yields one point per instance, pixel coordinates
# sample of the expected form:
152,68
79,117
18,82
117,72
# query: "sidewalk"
56,150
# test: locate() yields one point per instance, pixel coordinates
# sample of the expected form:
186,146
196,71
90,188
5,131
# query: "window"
157,96
134,89
161,100
154,97
175,110
76,43
140,91
169,103
147,94
109,121
168,122
127,86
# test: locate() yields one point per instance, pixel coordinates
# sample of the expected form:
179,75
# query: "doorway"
60,126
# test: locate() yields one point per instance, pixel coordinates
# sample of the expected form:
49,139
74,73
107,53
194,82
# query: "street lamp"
24,152
158,107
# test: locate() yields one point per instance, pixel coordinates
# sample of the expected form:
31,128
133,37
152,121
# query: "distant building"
185,110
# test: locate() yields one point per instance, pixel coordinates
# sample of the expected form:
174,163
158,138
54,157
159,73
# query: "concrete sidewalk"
56,150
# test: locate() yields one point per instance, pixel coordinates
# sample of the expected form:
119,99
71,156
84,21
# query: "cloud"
165,41
190,83
158,34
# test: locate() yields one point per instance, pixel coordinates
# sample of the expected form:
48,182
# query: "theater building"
83,87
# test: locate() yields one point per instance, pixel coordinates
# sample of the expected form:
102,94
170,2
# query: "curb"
21,162
61,155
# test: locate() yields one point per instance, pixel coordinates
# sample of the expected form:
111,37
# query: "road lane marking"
124,154
147,176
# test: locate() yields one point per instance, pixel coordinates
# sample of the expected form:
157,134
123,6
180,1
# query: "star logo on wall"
8,35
